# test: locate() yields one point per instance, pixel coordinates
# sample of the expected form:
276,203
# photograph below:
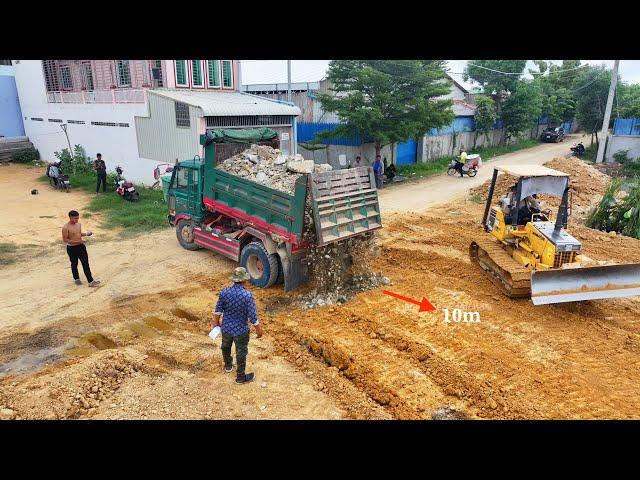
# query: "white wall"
118,145
623,142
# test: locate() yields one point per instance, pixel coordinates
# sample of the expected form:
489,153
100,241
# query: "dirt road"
37,219
421,195
137,346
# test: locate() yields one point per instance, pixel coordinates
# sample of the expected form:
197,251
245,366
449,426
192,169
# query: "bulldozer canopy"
551,185
537,179
530,171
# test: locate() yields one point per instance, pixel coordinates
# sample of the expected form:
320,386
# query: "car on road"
552,134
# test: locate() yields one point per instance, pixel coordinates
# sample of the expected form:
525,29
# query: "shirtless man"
72,236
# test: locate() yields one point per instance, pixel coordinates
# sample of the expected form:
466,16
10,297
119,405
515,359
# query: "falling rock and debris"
339,270
268,166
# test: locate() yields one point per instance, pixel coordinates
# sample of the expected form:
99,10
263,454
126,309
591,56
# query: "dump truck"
529,255
260,227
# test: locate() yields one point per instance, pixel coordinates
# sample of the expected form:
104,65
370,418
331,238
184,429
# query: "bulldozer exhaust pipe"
585,283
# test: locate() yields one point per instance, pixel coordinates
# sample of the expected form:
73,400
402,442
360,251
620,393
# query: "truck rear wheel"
262,267
184,232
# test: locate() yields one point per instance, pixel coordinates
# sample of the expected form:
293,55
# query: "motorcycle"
470,168
125,189
577,150
57,179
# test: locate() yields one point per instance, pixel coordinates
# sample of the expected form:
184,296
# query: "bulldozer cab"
531,180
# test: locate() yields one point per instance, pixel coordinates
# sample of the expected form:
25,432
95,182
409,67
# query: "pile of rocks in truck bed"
268,166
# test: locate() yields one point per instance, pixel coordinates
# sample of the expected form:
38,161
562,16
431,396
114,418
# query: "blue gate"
406,153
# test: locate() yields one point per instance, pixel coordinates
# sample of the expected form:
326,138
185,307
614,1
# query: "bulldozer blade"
585,283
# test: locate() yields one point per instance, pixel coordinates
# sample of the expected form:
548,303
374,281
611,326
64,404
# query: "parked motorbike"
577,150
57,178
125,189
470,168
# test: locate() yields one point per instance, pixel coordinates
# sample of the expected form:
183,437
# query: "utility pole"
294,140
289,81
63,126
607,112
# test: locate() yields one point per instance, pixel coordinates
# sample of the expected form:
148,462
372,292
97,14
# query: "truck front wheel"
184,232
262,267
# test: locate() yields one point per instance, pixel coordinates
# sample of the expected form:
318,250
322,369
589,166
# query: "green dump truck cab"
262,228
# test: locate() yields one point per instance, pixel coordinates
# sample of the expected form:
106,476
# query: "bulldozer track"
503,270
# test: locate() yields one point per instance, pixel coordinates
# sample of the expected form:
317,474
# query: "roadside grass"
590,153
11,252
8,253
475,199
440,165
148,213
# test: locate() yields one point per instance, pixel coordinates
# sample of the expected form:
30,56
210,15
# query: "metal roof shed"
178,117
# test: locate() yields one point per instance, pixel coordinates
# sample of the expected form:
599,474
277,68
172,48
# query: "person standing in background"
378,170
101,171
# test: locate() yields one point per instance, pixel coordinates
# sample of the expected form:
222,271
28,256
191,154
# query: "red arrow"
425,304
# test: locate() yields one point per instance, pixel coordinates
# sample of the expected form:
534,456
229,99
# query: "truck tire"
280,278
184,232
262,267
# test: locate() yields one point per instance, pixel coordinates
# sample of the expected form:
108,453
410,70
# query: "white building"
105,107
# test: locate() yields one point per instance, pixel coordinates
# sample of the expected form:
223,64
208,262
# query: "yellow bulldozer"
529,255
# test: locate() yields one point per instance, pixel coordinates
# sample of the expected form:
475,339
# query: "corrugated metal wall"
158,136
626,126
308,131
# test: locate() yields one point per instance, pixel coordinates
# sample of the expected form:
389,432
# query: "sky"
275,71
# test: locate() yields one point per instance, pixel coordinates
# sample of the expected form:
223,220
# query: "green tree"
628,100
591,89
499,85
563,76
522,107
557,102
499,78
387,101
485,116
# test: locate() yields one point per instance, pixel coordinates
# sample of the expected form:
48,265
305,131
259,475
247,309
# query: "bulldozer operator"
527,207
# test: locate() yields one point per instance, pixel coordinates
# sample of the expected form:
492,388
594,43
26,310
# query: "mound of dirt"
587,183
587,186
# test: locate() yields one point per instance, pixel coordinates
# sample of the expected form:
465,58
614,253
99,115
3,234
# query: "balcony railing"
114,95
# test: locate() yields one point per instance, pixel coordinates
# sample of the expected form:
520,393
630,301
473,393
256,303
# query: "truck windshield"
181,179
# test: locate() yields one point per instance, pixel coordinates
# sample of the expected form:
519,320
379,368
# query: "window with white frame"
65,74
213,73
227,73
196,73
182,115
181,73
123,73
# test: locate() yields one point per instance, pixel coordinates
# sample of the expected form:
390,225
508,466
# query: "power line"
521,73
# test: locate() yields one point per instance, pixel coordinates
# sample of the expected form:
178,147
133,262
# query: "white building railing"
114,95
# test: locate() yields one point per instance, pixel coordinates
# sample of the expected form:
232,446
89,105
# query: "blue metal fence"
460,124
308,131
626,126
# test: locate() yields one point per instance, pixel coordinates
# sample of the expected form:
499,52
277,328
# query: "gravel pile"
268,166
